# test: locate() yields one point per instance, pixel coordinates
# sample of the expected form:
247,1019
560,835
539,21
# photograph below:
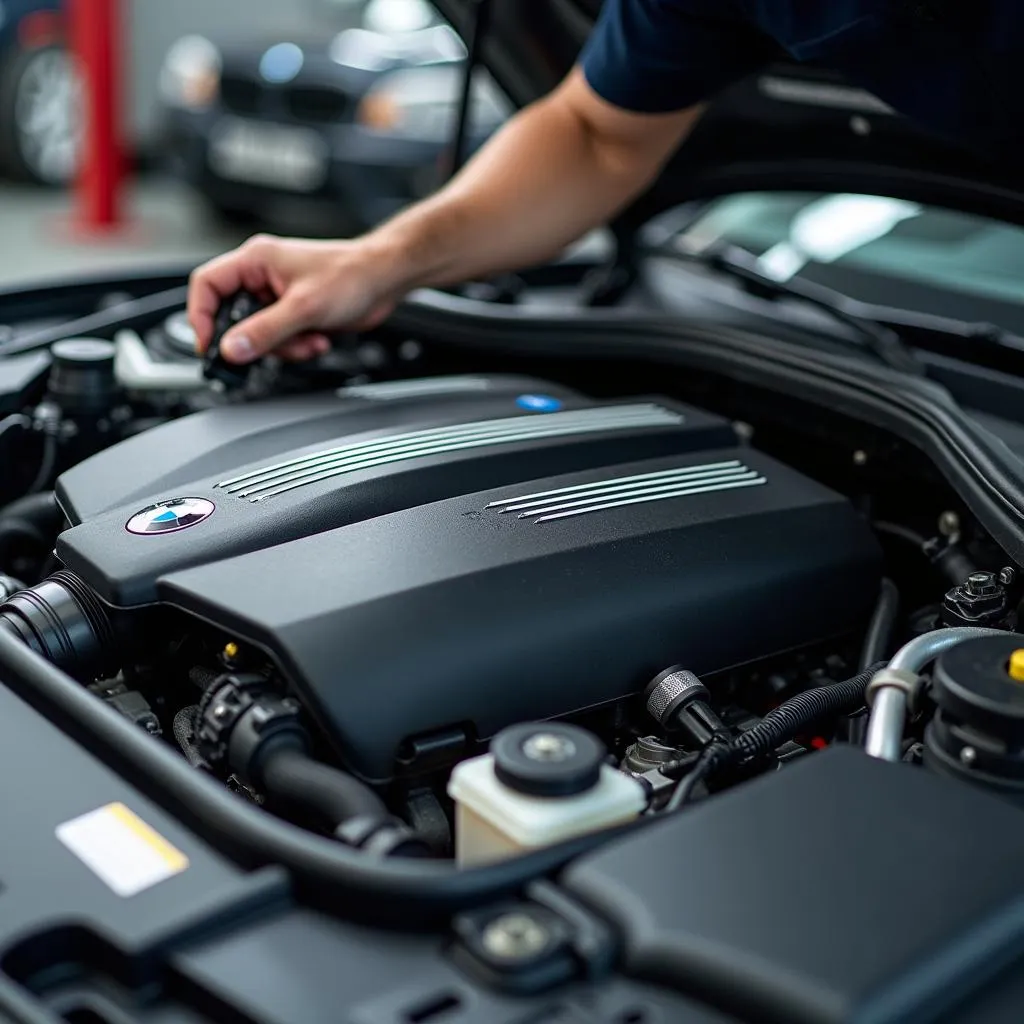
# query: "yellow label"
121,849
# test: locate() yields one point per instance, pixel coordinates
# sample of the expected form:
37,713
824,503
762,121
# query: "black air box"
843,890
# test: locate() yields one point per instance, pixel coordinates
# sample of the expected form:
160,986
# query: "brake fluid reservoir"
540,784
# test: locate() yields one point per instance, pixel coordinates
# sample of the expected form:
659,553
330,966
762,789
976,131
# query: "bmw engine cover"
469,552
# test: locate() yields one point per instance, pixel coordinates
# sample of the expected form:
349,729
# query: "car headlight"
422,103
190,77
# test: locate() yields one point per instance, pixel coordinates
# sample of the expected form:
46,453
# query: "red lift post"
95,39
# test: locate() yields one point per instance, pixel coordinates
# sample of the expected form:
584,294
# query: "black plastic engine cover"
220,440
458,613
477,561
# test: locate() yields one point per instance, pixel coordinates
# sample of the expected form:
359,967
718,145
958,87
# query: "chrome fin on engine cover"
582,499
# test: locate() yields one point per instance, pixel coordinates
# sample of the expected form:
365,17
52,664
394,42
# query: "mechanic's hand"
312,287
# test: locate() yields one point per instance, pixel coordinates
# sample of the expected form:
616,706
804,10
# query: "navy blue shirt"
953,66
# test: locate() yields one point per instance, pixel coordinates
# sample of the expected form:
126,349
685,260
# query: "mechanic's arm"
562,166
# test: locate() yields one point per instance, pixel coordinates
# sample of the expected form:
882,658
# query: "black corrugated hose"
184,732
780,725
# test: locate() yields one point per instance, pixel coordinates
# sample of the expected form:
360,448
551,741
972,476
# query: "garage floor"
168,226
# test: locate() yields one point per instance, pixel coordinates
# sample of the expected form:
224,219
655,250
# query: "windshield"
875,249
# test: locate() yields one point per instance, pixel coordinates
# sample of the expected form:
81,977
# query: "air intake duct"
63,620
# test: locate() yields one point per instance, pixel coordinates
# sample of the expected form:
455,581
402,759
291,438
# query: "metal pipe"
922,650
885,726
893,687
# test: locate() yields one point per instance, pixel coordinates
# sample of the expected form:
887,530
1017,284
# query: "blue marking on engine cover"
539,403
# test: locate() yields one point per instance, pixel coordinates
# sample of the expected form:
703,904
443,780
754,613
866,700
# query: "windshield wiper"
878,338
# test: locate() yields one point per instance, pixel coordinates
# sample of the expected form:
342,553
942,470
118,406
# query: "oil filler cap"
548,759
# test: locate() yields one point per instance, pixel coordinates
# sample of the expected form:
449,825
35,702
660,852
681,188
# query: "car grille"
305,103
241,95
322,106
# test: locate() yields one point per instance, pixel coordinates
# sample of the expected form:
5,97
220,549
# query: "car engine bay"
455,620
373,582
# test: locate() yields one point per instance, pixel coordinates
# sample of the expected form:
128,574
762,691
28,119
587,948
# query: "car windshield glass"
879,250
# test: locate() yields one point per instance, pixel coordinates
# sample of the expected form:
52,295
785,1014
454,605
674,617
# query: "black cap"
671,690
548,759
82,375
973,681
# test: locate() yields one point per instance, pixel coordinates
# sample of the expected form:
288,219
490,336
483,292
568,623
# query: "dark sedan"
361,120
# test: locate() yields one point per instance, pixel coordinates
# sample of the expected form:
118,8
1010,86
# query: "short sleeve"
655,56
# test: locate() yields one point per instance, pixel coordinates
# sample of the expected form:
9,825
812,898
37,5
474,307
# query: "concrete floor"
168,225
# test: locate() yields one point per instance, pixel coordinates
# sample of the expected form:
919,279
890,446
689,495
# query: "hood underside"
787,127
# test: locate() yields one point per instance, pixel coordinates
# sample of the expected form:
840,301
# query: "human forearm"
547,178
562,167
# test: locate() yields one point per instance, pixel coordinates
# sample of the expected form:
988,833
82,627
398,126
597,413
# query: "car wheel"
41,121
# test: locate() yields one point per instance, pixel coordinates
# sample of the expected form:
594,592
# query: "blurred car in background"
41,123
362,120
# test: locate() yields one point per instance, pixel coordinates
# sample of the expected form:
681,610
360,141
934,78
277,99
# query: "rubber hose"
293,780
955,564
403,892
952,561
879,636
16,532
41,510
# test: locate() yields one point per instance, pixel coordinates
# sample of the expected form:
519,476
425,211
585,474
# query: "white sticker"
122,849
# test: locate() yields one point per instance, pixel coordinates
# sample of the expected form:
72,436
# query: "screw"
860,457
548,746
949,524
968,755
515,936
744,431
1007,576
231,650
860,126
220,711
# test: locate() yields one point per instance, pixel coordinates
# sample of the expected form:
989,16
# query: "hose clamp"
909,683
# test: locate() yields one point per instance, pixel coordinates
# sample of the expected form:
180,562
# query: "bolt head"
968,756
860,457
516,936
1007,576
549,747
982,584
220,711
949,524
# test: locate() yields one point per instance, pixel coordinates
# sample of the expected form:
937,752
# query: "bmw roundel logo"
170,516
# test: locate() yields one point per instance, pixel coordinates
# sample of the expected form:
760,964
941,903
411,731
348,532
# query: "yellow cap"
1017,665
231,651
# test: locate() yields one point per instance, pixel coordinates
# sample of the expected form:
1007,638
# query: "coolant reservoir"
541,784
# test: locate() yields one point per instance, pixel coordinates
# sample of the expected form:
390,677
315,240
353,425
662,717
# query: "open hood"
788,127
